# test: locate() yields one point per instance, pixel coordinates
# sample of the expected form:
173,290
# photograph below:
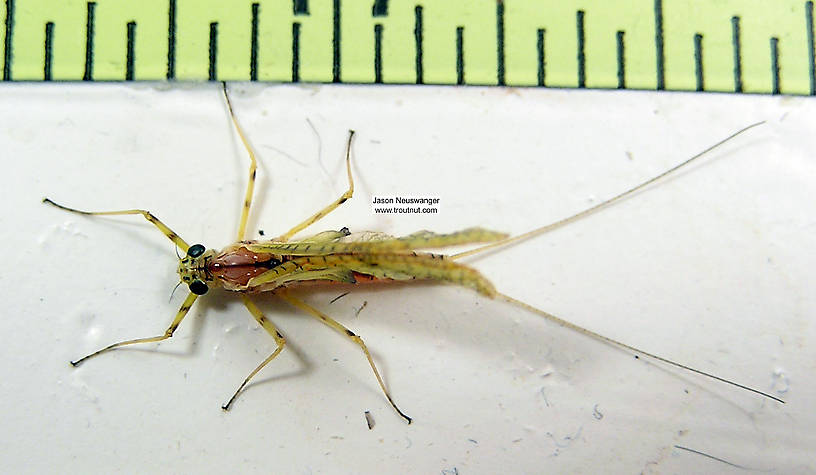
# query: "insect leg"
349,334
147,215
253,165
331,207
273,330
185,307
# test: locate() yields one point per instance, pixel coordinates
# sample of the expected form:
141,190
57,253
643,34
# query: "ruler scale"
751,46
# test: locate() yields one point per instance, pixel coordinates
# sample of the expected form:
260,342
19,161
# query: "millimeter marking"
479,42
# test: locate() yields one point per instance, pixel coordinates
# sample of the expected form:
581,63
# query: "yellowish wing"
375,243
394,266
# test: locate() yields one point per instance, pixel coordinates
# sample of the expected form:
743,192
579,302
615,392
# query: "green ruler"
756,46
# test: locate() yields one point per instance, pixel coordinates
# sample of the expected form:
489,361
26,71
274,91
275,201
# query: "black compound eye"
195,250
198,287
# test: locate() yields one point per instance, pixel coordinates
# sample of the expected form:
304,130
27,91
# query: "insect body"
336,256
281,265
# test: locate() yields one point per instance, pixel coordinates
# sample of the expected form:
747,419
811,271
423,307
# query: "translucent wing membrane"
341,268
376,243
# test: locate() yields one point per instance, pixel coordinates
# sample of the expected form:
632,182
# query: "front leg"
185,307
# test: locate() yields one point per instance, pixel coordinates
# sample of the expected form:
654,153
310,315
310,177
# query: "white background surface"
712,268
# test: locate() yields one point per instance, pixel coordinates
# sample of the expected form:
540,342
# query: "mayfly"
280,265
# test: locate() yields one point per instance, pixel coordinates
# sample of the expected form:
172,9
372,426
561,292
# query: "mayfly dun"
281,266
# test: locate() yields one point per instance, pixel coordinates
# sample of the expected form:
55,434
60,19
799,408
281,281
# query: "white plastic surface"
713,268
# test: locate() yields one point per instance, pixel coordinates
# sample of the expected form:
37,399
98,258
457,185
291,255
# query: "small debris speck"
369,420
